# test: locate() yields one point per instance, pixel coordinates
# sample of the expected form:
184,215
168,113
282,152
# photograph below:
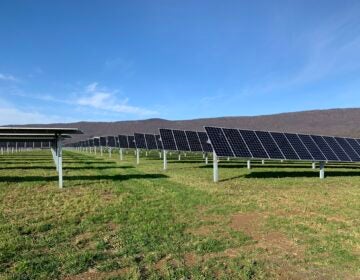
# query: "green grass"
116,220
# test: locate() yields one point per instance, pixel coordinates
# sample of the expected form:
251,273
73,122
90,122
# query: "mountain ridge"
335,122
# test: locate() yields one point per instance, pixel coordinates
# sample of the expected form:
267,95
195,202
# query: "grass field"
115,220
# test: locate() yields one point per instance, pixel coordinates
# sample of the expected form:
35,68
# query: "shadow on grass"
66,167
294,174
288,166
18,179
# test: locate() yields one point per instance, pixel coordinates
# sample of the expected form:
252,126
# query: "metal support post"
215,168
165,159
137,156
322,170
248,164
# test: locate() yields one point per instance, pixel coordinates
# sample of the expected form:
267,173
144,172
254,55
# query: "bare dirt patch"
273,242
249,223
93,274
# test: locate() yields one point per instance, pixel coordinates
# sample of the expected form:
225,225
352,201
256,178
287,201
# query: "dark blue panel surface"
298,146
342,156
219,142
254,144
312,147
194,141
167,139
237,143
269,144
284,145
324,147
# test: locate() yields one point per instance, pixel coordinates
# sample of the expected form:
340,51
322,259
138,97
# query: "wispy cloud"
104,99
329,50
9,115
9,78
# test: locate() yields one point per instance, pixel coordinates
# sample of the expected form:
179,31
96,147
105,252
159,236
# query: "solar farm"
221,203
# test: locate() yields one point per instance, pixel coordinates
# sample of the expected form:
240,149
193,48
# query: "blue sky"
64,61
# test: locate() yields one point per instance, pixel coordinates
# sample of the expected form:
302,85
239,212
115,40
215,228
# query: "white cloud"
9,78
104,99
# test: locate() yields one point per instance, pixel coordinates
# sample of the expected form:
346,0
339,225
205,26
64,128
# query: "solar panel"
347,149
324,147
158,142
123,141
96,141
336,148
150,142
254,144
91,142
131,141
354,144
167,139
298,146
237,143
205,142
111,141
312,147
219,142
269,144
103,141
284,146
194,141
140,141
181,140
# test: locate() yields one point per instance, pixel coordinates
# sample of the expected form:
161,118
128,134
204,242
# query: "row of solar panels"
239,143
276,145
172,140
25,144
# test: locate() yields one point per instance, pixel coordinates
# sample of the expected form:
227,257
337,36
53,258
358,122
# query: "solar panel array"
147,141
184,140
230,142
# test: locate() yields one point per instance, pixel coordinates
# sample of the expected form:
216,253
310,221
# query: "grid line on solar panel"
347,149
284,146
312,147
253,143
269,144
181,140
167,139
140,142
299,147
325,148
158,142
123,141
150,141
194,141
131,141
204,141
336,148
354,144
219,142
237,143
